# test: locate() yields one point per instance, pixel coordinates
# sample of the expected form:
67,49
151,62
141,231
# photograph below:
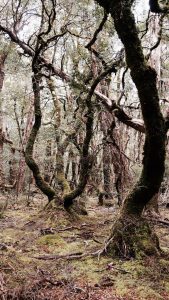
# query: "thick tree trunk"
130,233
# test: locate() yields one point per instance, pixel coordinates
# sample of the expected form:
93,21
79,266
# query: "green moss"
146,293
134,267
167,286
88,269
56,244
132,238
121,288
51,239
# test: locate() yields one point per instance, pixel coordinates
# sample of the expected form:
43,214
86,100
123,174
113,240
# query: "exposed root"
132,237
78,208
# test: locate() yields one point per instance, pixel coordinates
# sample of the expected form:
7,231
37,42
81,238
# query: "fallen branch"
70,256
67,256
159,221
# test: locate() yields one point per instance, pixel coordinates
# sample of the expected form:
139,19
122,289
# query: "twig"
110,266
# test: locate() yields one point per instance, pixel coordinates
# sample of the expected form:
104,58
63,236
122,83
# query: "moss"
146,293
88,269
134,267
57,245
121,288
51,239
149,275
132,238
167,286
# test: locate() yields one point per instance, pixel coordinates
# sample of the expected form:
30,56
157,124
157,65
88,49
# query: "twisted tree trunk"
131,235
40,182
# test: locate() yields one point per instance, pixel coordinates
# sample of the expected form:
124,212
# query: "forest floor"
47,255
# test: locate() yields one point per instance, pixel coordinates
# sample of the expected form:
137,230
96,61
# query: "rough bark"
120,164
151,177
85,160
60,178
156,8
23,142
152,208
13,169
48,162
2,177
3,57
40,182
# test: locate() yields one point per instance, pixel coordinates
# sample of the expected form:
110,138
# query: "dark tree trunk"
13,169
40,182
130,233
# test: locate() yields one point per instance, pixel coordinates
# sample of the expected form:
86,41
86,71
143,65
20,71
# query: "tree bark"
60,178
3,57
22,164
40,182
129,230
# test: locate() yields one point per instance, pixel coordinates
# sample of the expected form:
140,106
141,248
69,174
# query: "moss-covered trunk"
129,229
40,182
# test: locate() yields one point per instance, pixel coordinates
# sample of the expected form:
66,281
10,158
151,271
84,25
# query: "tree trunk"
61,181
13,169
40,182
22,164
3,56
131,235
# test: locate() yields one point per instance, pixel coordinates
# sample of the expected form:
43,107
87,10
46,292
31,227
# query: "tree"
131,234
85,61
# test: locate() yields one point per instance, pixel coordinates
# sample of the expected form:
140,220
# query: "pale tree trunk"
3,56
2,178
65,193
22,164
48,162
61,181
132,235
113,156
120,164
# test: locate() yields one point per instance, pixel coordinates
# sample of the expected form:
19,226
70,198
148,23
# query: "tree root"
132,238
